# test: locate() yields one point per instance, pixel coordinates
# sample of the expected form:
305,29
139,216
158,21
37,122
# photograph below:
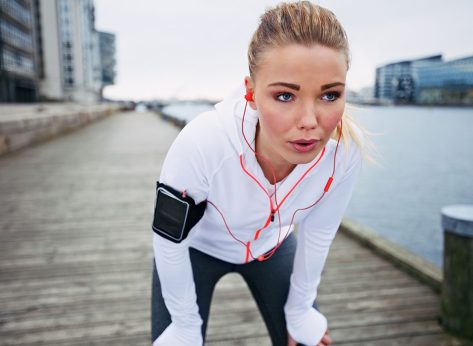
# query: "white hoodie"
204,161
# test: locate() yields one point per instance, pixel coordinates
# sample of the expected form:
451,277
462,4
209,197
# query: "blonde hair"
306,24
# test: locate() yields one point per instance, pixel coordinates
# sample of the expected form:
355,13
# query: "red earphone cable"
249,97
247,245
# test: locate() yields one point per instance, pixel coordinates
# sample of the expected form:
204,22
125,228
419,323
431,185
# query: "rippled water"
427,155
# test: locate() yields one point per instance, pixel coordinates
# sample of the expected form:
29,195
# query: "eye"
284,97
331,96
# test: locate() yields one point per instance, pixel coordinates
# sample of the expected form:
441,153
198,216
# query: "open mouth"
304,146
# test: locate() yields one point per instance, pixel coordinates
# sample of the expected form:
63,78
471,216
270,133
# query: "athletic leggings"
268,282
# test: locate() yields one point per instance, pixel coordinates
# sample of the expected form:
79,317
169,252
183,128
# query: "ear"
250,87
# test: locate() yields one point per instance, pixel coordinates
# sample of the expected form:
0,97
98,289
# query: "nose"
308,118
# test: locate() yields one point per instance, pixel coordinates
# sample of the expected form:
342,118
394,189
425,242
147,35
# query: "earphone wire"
248,97
269,253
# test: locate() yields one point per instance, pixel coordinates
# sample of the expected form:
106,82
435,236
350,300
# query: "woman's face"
299,93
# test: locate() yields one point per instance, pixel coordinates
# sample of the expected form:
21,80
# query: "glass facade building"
79,49
107,56
50,51
426,81
18,77
449,82
65,24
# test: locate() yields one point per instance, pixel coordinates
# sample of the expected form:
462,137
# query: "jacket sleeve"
315,235
183,169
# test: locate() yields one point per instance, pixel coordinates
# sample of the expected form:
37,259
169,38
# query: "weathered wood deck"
75,254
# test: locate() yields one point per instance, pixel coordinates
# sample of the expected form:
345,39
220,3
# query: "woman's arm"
183,169
178,289
315,235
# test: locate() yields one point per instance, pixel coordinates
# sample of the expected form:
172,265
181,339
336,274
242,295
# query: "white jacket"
204,161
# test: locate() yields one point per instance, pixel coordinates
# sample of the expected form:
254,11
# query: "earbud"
249,96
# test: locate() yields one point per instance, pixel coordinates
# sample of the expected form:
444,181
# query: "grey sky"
191,48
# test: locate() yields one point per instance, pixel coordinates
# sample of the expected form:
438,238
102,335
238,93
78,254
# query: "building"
107,57
449,82
396,82
18,77
71,69
428,80
50,59
50,51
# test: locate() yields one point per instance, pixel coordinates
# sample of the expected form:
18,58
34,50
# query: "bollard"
457,287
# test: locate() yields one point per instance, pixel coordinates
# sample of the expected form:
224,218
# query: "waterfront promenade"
22,125
75,254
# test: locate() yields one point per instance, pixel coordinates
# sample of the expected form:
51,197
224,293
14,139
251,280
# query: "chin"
302,159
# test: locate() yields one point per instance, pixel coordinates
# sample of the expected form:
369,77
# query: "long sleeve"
316,233
183,169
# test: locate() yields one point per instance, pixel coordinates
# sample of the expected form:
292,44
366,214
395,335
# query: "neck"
281,167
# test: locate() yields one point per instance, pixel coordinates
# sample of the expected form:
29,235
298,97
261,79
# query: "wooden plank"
437,339
76,256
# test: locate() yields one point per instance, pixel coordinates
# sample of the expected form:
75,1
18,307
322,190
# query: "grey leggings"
268,282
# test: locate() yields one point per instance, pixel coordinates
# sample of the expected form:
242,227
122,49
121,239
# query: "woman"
237,179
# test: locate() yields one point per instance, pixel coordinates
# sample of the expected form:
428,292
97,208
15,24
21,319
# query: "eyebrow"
331,85
298,87
289,85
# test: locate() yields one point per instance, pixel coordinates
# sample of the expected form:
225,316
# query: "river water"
427,157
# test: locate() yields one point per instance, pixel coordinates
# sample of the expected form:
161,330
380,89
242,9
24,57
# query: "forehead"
298,63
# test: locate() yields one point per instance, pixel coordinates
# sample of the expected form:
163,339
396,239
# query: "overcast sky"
197,48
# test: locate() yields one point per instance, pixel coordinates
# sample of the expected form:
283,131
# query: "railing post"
457,287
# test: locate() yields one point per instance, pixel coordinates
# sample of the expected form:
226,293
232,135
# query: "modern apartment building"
50,51
70,46
18,78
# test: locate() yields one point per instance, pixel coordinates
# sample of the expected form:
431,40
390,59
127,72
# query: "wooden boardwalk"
75,254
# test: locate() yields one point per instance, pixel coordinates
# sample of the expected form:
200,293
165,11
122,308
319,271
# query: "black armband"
175,213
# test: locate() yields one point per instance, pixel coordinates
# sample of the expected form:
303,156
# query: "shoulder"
201,143
200,126
197,135
187,165
203,130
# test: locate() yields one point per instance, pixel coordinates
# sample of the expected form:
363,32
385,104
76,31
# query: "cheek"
274,120
331,118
